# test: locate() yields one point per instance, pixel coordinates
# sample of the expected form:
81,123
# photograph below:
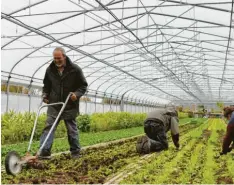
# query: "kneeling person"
156,126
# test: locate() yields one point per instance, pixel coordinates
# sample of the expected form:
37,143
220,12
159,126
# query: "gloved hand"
175,139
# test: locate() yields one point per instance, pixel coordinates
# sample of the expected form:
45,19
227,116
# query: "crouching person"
156,126
229,137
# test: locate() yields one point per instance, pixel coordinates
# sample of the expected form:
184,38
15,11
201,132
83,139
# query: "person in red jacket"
229,137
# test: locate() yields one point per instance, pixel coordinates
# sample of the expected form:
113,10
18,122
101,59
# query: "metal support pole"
95,102
7,93
103,103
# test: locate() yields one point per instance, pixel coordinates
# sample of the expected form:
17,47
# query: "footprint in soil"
225,180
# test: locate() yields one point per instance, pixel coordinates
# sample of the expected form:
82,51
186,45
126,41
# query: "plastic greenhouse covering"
159,52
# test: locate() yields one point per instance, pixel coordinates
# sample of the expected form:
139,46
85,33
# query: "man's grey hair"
60,49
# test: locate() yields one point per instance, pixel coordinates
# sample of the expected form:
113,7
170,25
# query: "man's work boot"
45,154
75,155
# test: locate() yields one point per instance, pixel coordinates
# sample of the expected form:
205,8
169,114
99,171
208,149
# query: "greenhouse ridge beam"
78,50
225,63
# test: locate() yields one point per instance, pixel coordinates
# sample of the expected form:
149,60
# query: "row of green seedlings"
94,167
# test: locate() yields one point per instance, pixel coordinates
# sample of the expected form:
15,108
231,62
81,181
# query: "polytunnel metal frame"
136,84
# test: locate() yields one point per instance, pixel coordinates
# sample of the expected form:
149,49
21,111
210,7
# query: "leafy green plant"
84,123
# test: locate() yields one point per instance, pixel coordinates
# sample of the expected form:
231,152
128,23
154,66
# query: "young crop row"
17,127
197,162
95,166
86,139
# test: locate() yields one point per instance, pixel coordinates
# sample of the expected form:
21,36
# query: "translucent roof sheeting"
181,51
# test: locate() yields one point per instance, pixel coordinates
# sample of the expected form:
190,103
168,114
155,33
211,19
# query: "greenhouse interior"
117,92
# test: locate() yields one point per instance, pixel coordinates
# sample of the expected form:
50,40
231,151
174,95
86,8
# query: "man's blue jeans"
72,133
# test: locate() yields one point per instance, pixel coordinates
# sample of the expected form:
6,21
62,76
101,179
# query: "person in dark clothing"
62,77
156,125
229,137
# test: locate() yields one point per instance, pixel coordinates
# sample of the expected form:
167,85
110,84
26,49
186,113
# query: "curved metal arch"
137,89
115,75
132,89
134,94
118,75
160,90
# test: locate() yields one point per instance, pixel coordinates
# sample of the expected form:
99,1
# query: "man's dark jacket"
56,88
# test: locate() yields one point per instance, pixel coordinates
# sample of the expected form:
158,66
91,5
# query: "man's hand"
224,153
45,100
73,97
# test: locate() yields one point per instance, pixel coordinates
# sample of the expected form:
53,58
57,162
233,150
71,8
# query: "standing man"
62,77
156,125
